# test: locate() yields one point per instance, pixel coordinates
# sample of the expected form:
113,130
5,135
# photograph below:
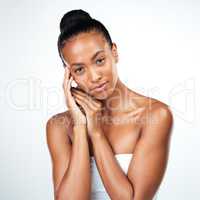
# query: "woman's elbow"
128,194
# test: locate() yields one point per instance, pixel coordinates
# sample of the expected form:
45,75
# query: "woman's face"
91,63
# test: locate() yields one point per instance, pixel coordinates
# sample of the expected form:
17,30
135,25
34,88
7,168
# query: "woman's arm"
60,154
147,166
71,163
113,177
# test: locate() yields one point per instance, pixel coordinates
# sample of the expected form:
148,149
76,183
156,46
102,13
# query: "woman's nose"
95,76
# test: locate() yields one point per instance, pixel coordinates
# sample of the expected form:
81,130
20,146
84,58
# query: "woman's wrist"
96,135
79,128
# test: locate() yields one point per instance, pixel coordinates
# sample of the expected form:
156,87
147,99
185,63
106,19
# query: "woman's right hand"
75,110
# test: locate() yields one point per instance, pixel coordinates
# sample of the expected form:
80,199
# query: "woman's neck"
120,101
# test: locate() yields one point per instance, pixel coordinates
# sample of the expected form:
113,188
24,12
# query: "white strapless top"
98,190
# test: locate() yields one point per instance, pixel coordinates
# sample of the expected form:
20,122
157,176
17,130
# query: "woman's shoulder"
157,105
60,121
156,110
146,103
149,106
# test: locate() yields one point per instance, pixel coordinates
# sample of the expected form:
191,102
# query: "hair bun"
72,17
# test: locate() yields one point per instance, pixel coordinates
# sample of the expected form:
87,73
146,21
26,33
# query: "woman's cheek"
83,85
108,69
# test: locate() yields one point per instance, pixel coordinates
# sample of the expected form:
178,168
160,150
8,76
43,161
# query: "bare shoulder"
61,120
157,116
59,125
59,145
161,111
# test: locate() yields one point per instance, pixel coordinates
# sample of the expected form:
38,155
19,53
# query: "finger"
67,73
84,94
66,86
69,86
66,78
87,97
80,102
89,105
79,92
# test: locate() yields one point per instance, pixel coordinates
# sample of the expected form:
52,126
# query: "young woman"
112,142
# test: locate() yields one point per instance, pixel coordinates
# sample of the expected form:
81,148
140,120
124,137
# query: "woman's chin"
101,95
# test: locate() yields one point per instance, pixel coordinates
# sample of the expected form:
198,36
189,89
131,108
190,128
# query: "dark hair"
78,21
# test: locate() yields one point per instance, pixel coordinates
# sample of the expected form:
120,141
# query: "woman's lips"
99,89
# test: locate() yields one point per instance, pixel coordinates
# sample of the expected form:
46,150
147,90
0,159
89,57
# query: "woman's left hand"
92,108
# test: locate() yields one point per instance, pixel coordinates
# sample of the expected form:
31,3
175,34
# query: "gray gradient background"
160,38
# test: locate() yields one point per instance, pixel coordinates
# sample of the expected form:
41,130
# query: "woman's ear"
114,52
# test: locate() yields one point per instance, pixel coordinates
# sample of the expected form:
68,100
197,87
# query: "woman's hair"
78,21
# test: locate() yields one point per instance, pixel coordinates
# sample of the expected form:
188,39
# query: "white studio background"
159,48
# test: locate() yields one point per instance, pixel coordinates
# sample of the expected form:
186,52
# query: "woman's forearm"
114,179
76,183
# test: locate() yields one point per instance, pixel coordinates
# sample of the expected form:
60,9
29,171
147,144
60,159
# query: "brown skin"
145,133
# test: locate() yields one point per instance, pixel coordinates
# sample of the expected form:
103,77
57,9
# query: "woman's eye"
100,60
78,70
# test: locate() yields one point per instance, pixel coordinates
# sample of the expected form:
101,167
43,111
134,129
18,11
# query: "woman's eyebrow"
92,58
96,54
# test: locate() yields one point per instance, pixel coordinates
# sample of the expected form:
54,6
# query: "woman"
111,143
